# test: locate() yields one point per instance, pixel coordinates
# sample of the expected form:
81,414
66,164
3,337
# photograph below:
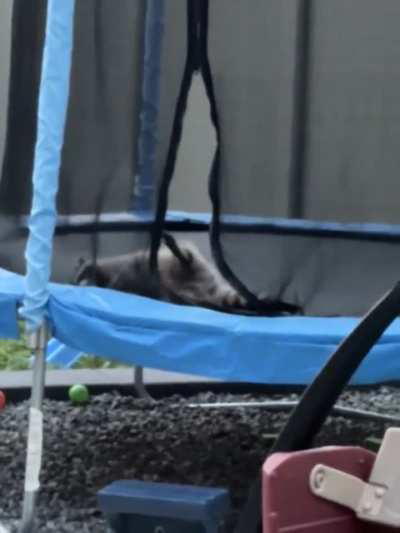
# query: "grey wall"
5,31
353,155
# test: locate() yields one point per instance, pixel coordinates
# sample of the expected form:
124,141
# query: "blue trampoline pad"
193,340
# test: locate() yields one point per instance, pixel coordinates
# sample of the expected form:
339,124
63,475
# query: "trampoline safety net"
303,96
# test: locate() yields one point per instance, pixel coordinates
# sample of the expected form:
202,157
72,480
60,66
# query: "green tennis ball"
78,394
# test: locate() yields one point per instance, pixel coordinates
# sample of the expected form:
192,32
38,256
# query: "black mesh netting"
100,153
103,115
307,95
307,99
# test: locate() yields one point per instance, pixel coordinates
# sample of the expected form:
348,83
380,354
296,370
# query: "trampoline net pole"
37,342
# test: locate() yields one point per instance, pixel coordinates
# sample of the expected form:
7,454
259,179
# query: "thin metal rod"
37,342
346,412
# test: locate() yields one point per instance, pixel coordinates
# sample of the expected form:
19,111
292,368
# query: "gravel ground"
118,437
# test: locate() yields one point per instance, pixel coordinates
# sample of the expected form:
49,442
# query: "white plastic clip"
377,500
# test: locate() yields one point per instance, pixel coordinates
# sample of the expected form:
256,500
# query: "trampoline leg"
37,342
140,386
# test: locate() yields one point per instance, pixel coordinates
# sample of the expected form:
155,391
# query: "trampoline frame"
309,414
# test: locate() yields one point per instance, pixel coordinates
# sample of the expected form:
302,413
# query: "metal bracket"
37,340
378,499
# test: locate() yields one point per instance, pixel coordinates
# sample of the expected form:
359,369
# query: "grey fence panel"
353,156
252,56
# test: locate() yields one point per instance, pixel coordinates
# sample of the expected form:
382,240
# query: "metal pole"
37,341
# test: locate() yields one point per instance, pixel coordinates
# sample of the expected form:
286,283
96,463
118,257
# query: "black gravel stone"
116,437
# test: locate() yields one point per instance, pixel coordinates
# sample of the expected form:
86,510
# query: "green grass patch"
15,355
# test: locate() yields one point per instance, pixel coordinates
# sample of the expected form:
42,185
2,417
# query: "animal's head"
88,273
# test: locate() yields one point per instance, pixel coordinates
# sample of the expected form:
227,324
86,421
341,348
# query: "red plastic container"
2,400
290,506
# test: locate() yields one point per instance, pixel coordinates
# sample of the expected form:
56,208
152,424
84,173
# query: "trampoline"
96,113
149,333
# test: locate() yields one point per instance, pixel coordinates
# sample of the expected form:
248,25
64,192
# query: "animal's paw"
234,300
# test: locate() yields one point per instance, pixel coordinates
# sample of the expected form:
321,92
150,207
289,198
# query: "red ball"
2,400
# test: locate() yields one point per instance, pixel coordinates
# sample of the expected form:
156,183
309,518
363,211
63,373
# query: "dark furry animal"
184,277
